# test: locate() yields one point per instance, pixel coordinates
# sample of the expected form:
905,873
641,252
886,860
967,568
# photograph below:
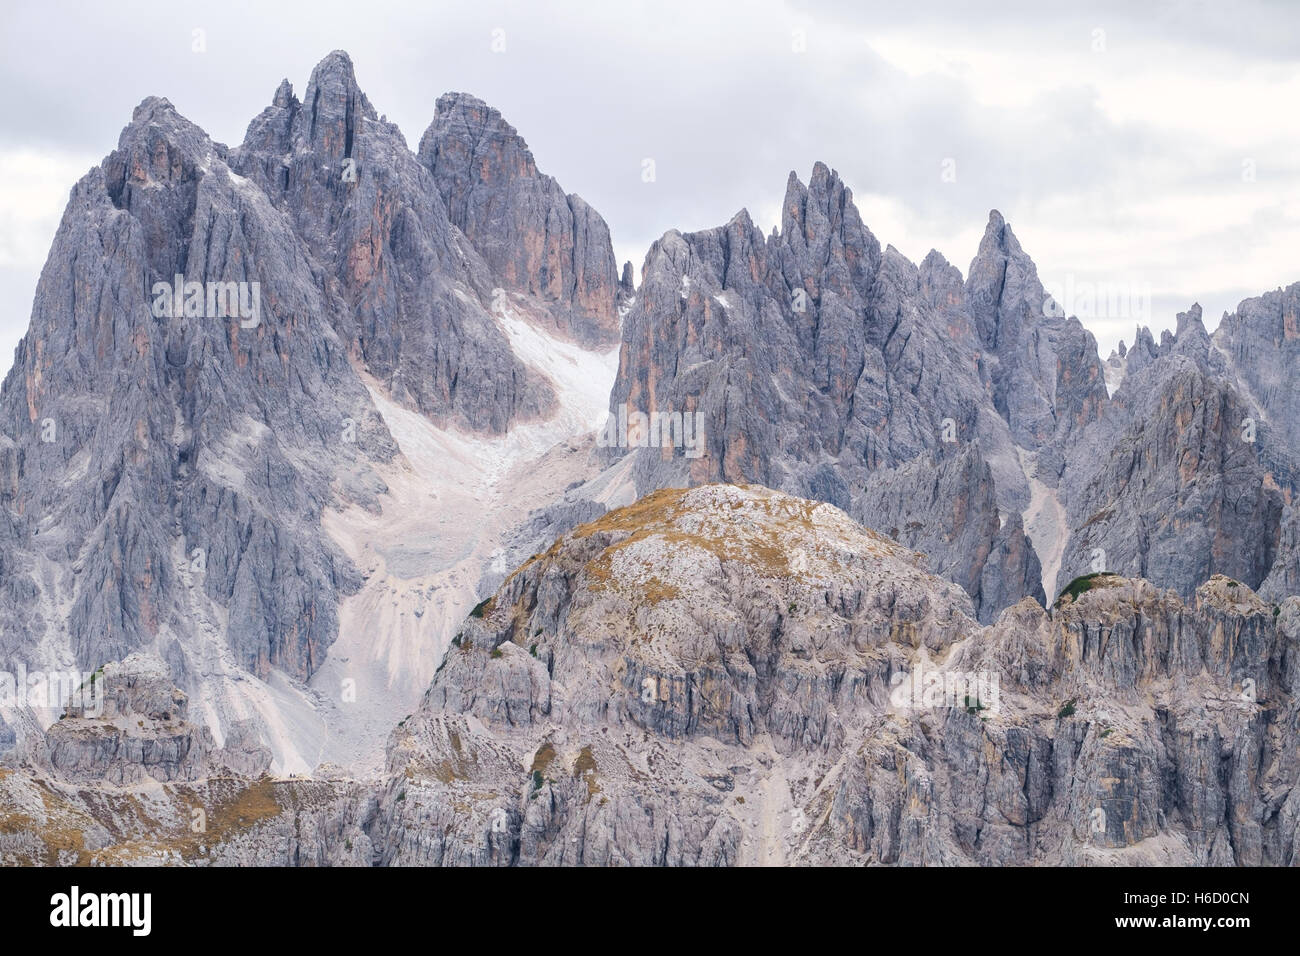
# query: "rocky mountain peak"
151,108
821,220
333,108
997,233
936,261
184,458
539,240
462,120
156,121
284,95
1003,288
335,74
1189,324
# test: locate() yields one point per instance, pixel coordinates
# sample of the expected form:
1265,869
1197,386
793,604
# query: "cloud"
34,187
1118,156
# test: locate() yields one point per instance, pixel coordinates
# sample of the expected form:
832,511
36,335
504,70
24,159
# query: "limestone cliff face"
820,365
814,359
1200,503
727,676
538,240
1260,343
868,721
412,298
143,443
132,726
1047,376
945,506
164,467
1175,482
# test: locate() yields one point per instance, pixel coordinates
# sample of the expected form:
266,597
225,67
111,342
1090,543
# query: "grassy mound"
1085,583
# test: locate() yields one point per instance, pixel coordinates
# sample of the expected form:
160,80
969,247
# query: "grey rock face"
1096,742
242,753
164,470
821,366
944,506
1199,506
1257,348
138,728
815,359
1260,344
129,724
593,724
1171,486
538,240
8,737
413,299
145,447
670,685
1047,376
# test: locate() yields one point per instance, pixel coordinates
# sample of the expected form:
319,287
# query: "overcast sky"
1135,154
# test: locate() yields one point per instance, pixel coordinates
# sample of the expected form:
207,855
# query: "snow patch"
1113,376
1045,523
453,497
582,379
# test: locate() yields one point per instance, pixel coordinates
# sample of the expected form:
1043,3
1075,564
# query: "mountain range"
462,548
